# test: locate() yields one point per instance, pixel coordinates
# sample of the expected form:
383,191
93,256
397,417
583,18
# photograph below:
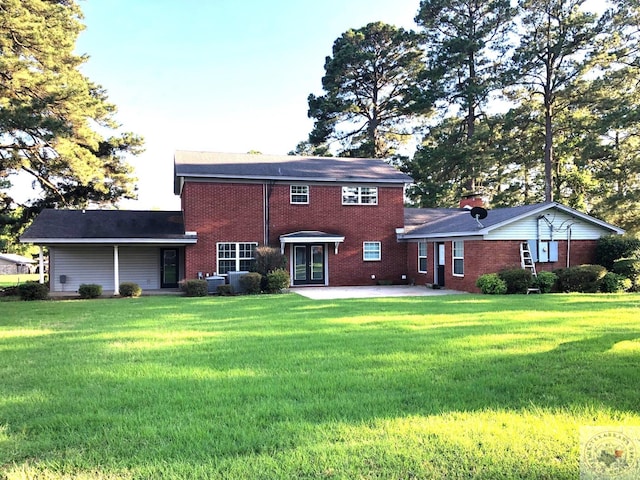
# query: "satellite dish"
478,213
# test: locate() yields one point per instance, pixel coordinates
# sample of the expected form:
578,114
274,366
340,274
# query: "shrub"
582,278
614,247
517,280
195,288
11,291
268,259
614,283
545,281
277,281
491,284
130,289
225,290
629,268
32,291
90,290
252,283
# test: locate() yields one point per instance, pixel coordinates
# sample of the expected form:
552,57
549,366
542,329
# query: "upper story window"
458,258
422,257
235,256
299,194
359,195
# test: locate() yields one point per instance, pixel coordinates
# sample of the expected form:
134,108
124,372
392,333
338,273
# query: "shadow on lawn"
260,388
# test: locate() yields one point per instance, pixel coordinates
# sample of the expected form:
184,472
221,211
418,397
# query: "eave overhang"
311,237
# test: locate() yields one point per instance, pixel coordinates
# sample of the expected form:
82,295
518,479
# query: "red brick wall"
225,212
234,212
484,256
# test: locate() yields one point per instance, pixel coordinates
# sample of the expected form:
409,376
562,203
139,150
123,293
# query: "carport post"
116,271
41,263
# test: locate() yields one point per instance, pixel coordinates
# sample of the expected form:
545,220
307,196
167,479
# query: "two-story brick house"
338,221
335,219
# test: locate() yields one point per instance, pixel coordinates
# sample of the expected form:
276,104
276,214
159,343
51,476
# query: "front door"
169,270
440,256
308,264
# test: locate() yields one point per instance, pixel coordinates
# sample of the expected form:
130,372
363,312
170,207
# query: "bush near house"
629,268
225,290
32,291
614,247
130,289
614,283
491,284
195,288
268,259
582,278
277,281
545,281
90,290
517,279
252,283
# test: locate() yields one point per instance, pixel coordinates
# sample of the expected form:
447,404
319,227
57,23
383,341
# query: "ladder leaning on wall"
527,263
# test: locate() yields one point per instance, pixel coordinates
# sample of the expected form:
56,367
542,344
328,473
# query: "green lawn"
281,387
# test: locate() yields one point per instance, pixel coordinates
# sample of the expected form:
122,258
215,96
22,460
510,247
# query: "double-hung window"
422,257
458,258
371,251
235,256
359,195
299,194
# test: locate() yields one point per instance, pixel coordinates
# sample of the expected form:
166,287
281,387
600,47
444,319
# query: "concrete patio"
374,291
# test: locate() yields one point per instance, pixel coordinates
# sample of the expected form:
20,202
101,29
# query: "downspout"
265,214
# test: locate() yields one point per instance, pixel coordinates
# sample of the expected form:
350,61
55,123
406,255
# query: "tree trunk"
548,152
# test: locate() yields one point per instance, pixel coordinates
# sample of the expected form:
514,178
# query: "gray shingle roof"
442,222
285,168
105,224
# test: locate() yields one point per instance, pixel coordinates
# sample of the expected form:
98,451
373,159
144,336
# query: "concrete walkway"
328,293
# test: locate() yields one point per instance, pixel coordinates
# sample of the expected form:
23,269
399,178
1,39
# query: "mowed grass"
281,387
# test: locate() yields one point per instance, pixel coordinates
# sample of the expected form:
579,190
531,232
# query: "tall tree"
466,41
52,117
372,92
557,40
614,114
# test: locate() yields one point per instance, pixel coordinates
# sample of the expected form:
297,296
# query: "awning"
311,236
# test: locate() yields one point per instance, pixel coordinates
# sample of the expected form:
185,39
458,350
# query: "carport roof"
107,226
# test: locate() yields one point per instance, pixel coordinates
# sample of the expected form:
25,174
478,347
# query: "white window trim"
237,259
291,194
425,256
364,251
359,195
454,258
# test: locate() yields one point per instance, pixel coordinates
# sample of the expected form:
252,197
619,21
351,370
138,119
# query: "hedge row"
252,283
582,278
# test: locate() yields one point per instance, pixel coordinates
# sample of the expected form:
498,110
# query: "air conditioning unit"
213,282
234,281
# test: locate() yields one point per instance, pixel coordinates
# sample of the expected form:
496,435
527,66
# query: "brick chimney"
470,200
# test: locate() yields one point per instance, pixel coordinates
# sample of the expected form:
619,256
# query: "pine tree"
52,117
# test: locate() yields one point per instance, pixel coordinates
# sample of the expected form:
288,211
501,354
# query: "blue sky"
216,75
